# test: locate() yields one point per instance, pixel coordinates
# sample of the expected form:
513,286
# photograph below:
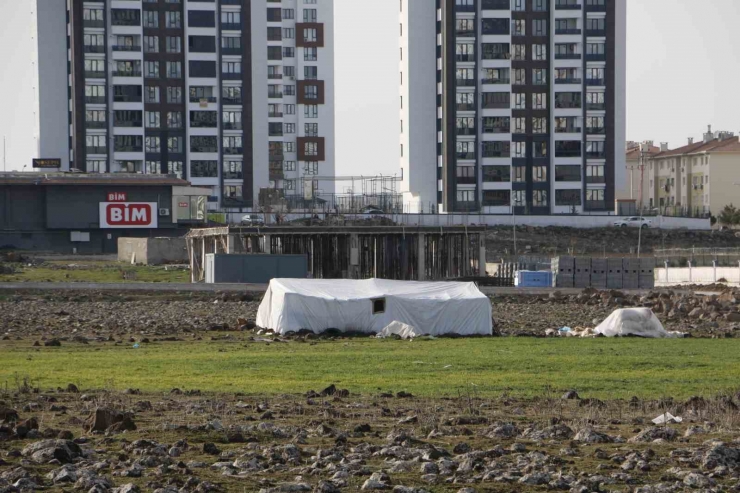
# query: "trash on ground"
400,329
667,418
638,322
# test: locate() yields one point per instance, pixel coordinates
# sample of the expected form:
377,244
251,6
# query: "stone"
211,449
104,419
62,450
588,435
654,433
570,395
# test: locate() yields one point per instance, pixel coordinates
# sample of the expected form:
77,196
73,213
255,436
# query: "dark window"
203,119
567,148
378,306
203,169
496,100
125,17
497,174
567,173
274,15
200,68
496,149
496,26
201,18
567,197
496,198
202,44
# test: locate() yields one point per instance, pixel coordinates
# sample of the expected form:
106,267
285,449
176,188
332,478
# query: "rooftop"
45,179
715,145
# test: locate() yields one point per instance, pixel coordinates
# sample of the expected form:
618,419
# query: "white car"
253,220
634,222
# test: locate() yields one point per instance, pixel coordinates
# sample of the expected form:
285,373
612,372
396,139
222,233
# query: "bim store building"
68,213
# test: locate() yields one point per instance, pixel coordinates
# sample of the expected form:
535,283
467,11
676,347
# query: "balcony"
271,133
465,33
209,99
595,82
465,82
573,31
274,76
96,125
275,95
466,155
94,74
129,149
466,180
569,80
596,130
96,150
596,57
95,100
567,56
233,150
567,6
233,175
466,131
93,23
198,148
465,107
596,33
596,106
231,51
465,57
496,5
231,76
465,8
568,130
94,49
275,114
495,81
130,48
595,155
230,26
127,73
595,205
227,100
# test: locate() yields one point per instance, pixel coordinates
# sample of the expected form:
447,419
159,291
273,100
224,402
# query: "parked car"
634,222
253,220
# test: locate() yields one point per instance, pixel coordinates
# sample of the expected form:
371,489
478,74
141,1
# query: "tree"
730,215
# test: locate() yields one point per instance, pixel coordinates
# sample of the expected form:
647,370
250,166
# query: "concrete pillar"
482,255
421,256
268,247
231,241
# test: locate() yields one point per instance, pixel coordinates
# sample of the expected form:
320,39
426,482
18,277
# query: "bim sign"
128,215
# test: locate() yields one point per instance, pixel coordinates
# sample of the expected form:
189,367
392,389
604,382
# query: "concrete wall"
723,175
677,276
152,251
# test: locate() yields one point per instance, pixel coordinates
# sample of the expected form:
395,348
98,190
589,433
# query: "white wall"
677,276
418,43
51,108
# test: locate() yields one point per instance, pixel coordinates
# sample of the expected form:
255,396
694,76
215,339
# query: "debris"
399,329
639,322
667,418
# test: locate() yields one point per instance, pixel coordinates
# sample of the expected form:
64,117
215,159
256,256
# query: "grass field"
487,367
94,271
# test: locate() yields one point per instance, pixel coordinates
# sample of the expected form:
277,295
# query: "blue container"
533,279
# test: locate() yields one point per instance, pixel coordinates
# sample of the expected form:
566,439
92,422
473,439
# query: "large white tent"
434,308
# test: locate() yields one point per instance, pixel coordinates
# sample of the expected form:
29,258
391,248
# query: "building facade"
513,105
233,95
698,179
636,161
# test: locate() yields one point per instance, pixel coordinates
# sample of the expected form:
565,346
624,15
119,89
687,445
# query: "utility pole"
644,150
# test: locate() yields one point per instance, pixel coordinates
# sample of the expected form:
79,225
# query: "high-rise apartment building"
235,95
512,105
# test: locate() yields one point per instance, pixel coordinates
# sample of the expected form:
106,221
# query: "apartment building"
636,160
233,95
512,105
697,179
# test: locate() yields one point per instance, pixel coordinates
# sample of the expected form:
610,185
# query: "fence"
676,276
698,257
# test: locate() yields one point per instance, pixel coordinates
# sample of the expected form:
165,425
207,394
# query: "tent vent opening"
378,306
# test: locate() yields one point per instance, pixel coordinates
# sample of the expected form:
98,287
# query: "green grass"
92,271
523,367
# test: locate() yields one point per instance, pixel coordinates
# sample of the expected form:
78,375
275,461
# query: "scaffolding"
395,252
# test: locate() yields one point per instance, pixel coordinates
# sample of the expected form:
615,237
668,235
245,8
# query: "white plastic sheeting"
402,330
433,308
638,322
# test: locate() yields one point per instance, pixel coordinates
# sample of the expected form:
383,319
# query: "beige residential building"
696,179
636,188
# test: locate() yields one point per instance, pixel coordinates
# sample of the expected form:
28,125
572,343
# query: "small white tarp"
638,322
369,306
400,329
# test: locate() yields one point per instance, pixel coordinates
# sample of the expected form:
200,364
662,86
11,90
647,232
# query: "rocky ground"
103,316
331,441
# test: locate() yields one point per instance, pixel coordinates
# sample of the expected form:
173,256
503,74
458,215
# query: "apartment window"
231,95
570,148
173,20
518,6
289,71
311,129
539,76
95,118
311,92
232,120
151,44
94,166
203,119
596,197
94,43
311,73
174,168
595,173
289,165
151,18
274,34
274,53
152,145
569,100
310,168
231,68
231,20
151,119
518,27
95,94
289,128
128,143
310,15
151,70
233,193
497,174
539,101
96,68
288,33
539,27
288,14
233,170
203,143
539,174
496,125
174,70
539,52
519,150
289,184
539,125
125,17
127,118
93,17
174,44
311,111
539,149
539,198
310,35
290,109
174,95
519,126
174,145
497,149
174,119
496,198
152,167
466,196
310,54
274,15
520,101
519,198
232,145
311,149
519,77
595,24
204,169
568,197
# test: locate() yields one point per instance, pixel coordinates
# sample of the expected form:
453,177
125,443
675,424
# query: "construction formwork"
582,273
599,269
614,272
647,273
563,269
387,252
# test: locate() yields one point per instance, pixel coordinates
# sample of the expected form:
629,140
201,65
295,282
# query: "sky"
682,75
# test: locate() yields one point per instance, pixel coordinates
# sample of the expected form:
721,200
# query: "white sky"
682,74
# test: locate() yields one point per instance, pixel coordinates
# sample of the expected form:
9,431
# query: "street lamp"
644,151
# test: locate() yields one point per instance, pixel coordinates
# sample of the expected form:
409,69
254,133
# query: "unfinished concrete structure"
388,252
152,251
